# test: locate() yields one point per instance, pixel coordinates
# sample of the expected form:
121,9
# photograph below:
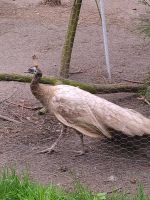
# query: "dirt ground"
28,28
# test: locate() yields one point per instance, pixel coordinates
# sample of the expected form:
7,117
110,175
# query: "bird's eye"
31,70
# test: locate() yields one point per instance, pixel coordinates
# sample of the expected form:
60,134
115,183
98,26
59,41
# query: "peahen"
86,113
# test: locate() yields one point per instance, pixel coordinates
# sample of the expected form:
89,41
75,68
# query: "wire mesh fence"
117,163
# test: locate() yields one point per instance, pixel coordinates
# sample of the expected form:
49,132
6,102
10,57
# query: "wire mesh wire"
120,162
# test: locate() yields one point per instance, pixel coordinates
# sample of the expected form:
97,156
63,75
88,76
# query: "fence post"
102,9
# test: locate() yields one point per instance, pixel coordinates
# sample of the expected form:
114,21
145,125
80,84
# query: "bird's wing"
91,115
73,107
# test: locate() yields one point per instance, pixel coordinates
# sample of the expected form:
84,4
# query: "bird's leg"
51,149
82,152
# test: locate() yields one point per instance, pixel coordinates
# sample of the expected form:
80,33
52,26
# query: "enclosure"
28,28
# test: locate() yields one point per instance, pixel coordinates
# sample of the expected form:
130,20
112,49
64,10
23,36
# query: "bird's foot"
48,151
42,111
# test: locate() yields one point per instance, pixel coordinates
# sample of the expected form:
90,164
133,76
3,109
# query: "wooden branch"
93,88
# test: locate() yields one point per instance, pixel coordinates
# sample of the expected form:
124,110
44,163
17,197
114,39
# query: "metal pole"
102,9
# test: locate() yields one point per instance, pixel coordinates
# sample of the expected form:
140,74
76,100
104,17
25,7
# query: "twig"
22,107
77,72
8,97
98,10
17,116
144,99
146,2
35,108
27,107
9,119
46,139
115,190
139,82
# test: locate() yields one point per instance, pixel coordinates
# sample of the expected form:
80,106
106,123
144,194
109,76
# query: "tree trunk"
52,2
69,40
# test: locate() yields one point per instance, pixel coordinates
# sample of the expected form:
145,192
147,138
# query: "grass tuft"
14,187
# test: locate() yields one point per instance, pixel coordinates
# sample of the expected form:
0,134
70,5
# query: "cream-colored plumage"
85,112
92,115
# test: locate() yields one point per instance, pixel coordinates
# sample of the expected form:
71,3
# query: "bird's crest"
35,68
35,61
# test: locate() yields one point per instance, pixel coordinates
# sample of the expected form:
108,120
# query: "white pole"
102,9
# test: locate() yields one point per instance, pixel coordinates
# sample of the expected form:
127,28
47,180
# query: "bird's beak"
29,71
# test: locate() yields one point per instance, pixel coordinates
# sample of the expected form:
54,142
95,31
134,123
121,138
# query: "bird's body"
88,113
92,115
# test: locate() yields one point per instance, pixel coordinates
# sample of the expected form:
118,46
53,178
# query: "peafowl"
88,114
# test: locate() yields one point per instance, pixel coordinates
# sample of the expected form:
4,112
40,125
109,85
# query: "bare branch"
9,119
93,88
8,97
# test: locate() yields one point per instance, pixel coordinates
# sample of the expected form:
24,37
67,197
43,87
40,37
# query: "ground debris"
8,119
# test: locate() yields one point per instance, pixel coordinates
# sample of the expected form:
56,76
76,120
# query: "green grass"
144,26
14,187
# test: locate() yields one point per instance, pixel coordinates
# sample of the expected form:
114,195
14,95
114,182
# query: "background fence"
121,162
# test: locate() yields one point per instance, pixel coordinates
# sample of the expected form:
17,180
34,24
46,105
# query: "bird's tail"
136,124
130,123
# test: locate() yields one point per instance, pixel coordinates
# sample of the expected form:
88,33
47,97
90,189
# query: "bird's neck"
35,87
40,91
35,84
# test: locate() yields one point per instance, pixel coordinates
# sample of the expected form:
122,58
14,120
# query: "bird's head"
34,70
